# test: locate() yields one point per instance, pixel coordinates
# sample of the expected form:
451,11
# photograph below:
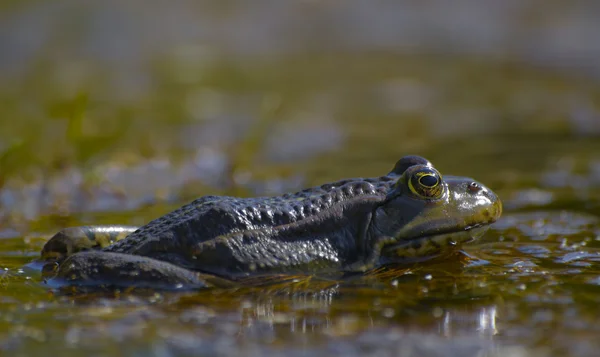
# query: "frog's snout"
493,209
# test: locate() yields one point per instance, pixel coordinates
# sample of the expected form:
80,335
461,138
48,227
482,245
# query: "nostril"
474,187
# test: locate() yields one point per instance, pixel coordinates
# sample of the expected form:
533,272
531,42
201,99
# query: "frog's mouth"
429,246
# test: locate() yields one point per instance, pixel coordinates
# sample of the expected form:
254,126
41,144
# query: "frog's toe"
115,270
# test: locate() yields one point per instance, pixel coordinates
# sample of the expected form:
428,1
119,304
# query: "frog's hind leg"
107,270
76,239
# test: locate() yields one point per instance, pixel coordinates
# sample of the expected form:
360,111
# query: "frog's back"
212,216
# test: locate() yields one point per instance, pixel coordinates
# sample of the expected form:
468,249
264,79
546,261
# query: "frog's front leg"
76,239
96,269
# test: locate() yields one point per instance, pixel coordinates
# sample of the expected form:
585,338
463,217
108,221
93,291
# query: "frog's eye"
426,182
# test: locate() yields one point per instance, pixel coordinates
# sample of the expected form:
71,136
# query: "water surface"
98,131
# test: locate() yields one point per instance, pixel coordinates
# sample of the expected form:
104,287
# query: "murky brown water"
117,114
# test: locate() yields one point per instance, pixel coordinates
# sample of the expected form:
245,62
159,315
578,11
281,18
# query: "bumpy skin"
349,225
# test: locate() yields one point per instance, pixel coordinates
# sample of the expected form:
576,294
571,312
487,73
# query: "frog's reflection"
339,312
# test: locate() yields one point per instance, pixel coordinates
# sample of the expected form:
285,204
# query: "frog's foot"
77,239
95,269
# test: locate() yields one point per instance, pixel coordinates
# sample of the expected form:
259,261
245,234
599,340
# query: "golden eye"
426,182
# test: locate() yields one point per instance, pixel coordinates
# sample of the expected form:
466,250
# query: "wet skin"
353,225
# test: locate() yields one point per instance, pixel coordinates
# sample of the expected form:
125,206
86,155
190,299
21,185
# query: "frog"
410,215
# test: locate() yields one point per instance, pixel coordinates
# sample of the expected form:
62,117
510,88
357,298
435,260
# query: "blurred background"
111,105
117,111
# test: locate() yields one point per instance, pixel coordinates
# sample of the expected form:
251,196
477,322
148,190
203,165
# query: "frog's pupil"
428,181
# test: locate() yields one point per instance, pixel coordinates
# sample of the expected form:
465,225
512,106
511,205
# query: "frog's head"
426,213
